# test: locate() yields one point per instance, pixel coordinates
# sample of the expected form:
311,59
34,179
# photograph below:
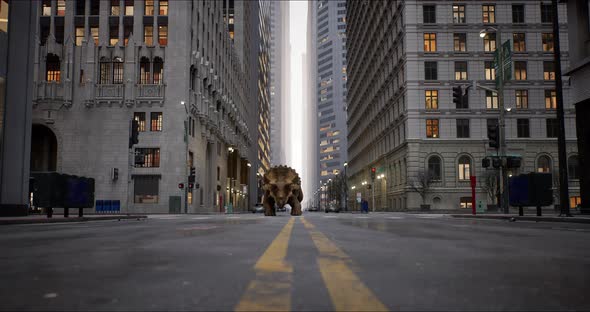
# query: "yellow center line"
271,289
347,291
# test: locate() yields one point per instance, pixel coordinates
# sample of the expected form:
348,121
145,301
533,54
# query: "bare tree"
421,184
489,184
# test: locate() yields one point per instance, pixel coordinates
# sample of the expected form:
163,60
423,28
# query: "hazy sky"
298,32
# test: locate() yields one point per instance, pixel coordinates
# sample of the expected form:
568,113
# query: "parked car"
333,208
258,208
313,209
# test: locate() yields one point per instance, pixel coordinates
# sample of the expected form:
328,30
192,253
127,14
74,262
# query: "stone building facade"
170,65
404,58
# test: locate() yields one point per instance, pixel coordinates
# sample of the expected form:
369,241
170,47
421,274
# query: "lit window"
460,70
490,70
464,168
489,42
163,35
465,202
429,42
519,43
147,157
94,33
575,202
544,164
548,70
547,39
46,7
519,70
431,99
53,68
163,7
460,42
129,7
158,70
115,7
432,128
459,14
118,70
488,13
156,121
140,118
491,100
144,71
61,7
522,99
113,34
149,8
79,35
148,35
550,99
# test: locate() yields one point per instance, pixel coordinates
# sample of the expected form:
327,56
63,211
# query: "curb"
68,220
526,218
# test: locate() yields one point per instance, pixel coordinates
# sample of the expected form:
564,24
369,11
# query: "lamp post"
345,187
381,177
501,118
186,157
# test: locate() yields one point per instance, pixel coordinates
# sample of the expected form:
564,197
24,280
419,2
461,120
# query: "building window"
148,35
550,99
460,70
519,70
547,39
113,34
517,13
46,7
523,128
140,118
429,42
163,35
118,70
430,71
429,14
489,42
575,202
144,71
432,128
105,71
52,68
61,7
573,167
147,157
544,164
465,203
490,70
156,121
431,99
458,14
149,8
129,7
464,168
460,42
491,100
94,34
435,168
145,189
462,128
552,128
163,7
546,13
80,7
488,13
519,43
522,99
115,7
94,7
79,35
548,70
158,71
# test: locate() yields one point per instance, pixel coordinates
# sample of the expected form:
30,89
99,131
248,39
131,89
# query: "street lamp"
501,120
345,187
187,169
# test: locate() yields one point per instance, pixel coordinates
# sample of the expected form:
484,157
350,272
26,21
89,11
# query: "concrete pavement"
379,261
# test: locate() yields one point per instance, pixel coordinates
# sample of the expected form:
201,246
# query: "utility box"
533,189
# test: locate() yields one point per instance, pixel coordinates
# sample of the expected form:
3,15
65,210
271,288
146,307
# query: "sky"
298,33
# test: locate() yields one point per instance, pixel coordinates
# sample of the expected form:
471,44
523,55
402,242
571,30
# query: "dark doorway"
43,149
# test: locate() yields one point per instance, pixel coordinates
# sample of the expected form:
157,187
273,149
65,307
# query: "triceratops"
282,185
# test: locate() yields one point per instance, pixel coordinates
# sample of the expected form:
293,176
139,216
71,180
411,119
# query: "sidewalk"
58,218
576,218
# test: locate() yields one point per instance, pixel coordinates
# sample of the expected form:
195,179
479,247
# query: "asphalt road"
316,262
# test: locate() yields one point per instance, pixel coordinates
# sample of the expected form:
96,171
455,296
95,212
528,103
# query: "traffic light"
134,138
513,162
493,136
191,186
181,185
373,172
497,162
458,96
191,177
485,162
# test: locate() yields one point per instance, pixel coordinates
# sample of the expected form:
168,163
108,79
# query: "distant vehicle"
258,208
284,208
333,208
313,209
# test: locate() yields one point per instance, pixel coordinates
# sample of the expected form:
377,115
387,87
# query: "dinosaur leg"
268,206
295,207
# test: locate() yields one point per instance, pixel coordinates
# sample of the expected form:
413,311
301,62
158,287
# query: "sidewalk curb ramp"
584,220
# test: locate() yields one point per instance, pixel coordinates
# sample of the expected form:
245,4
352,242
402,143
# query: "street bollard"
520,211
539,211
66,212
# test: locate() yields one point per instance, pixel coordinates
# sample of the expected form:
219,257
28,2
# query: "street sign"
358,197
506,51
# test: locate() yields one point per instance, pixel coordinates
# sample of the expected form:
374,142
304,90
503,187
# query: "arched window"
105,71
158,70
144,71
573,167
464,168
52,68
544,164
434,168
118,70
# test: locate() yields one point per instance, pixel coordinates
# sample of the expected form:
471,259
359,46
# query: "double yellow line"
271,289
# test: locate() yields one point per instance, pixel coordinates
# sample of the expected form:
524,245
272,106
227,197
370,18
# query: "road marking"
200,218
347,291
362,217
396,218
271,289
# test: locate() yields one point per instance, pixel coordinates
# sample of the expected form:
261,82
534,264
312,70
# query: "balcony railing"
50,90
110,91
150,91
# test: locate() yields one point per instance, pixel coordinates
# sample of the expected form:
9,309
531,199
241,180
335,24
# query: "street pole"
502,123
563,178
345,188
373,193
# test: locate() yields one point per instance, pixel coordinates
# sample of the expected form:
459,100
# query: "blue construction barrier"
108,206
